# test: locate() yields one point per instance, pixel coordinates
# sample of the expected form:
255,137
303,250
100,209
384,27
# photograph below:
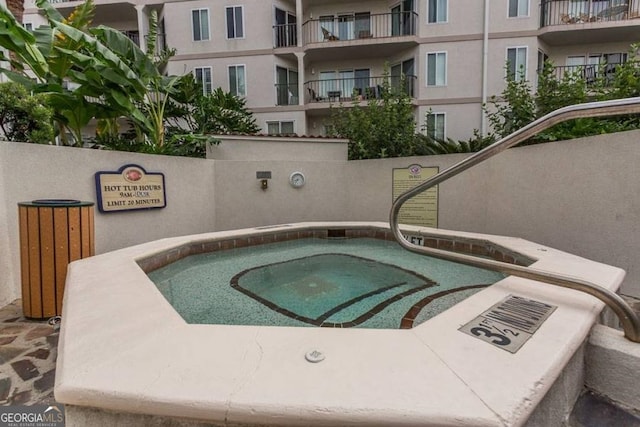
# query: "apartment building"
294,59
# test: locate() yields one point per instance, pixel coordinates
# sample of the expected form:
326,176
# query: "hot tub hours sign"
130,188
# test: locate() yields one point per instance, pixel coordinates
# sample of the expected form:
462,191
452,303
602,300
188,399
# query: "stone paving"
28,351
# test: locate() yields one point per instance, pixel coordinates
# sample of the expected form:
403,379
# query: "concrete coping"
123,348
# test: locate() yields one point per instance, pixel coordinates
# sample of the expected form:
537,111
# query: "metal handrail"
628,318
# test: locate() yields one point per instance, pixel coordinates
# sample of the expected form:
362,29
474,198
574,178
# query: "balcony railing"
360,26
357,89
562,12
587,73
285,35
133,35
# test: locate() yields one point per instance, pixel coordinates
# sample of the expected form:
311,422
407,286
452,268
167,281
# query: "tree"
384,127
42,54
222,112
518,105
514,109
427,145
24,117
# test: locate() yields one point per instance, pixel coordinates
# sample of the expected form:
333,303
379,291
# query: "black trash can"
53,232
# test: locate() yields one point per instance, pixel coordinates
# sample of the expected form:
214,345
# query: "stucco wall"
581,196
30,171
233,147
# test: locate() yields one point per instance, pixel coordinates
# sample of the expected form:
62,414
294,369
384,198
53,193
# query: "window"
437,69
203,78
336,84
343,84
542,59
518,8
346,27
435,126
286,86
404,70
235,25
403,19
517,63
200,21
237,80
362,28
286,32
280,127
362,81
437,11
28,26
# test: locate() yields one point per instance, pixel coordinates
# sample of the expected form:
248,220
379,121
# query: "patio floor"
28,351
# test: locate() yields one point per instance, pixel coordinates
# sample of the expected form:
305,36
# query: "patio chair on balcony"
590,74
328,35
373,92
615,13
313,96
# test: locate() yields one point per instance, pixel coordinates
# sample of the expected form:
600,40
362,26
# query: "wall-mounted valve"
264,177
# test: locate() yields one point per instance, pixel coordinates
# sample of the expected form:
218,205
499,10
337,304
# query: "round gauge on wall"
297,179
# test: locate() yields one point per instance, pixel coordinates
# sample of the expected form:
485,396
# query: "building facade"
294,59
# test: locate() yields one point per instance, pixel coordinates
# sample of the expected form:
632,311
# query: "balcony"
359,26
588,73
356,89
566,22
285,35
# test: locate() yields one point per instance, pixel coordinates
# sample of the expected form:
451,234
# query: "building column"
301,77
299,20
143,26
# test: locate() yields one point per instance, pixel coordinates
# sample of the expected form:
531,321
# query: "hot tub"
126,356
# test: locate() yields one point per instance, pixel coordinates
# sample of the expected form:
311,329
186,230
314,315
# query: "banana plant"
112,76
111,66
37,64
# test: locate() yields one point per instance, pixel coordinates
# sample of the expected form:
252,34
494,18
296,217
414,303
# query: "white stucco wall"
233,147
30,171
580,196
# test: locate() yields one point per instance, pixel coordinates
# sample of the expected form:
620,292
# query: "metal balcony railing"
285,35
133,35
563,12
360,26
587,73
357,88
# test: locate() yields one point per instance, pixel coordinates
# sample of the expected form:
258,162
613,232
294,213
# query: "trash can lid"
56,203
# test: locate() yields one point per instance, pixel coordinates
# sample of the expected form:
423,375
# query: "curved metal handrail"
628,318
